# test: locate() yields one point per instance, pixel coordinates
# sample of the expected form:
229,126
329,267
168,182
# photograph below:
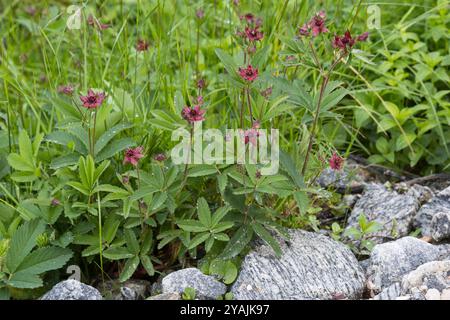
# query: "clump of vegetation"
92,95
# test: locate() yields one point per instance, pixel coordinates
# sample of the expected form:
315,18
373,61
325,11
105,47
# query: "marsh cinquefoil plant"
92,170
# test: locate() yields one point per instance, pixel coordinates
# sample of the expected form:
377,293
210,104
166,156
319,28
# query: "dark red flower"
132,155
304,30
200,14
253,34
346,41
363,37
142,45
66,89
160,157
92,100
317,24
201,83
249,74
193,114
251,135
336,162
249,17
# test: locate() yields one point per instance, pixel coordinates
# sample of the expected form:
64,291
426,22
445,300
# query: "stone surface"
312,266
72,290
392,292
166,296
392,260
440,226
206,287
431,275
433,294
393,211
133,289
344,181
439,204
445,295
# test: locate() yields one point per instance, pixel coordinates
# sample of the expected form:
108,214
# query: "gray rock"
390,293
393,211
344,181
312,266
129,290
440,226
206,287
432,275
72,290
390,261
166,296
440,203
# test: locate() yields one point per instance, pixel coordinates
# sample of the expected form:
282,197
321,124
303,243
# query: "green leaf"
80,187
204,213
147,241
222,226
236,201
109,135
192,225
18,162
22,242
117,253
267,237
132,243
44,259
228,62
25,280
148,265
64,161
238,242
129,268
202,170
25,147
198,239
219,215
66,139
110,188
114,148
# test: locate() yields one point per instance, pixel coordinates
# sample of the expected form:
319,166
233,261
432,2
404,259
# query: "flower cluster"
249,74
194,113
142,45
66,89
132,155
251,135
92,100
336,162
252,31
346,41
315,26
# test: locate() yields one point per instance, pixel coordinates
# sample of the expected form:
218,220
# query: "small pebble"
433,294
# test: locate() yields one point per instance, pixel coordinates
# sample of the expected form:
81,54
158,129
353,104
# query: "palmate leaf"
44,259
204,213
22,242
192,226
